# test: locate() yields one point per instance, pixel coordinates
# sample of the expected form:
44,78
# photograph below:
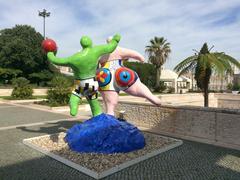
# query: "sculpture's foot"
95,107
74,102
120,119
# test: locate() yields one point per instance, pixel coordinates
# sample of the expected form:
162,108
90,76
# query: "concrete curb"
58,110
24,101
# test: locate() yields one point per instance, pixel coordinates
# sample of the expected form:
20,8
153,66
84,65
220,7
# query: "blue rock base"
104,134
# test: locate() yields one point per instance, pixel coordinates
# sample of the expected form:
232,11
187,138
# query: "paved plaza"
18,162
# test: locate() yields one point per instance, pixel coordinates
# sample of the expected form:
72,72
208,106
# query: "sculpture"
84,65
103,133
113,77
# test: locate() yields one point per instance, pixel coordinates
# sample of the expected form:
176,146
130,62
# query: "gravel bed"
98,162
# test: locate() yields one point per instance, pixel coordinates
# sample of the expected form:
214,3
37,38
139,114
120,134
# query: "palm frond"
188,68
215,64
182,65
227,65
226,57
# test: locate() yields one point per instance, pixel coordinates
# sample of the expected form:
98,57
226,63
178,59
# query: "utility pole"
44,14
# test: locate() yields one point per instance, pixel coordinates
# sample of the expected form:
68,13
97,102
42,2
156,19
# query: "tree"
20,49
203,64
158,51
42,76
7,74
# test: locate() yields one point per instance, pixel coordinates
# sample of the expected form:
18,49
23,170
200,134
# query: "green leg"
95,107
74,102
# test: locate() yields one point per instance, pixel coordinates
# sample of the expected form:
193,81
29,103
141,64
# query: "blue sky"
185,24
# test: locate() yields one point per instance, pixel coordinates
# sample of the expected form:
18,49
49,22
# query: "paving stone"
20,115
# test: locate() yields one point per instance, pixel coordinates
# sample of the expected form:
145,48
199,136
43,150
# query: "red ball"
49,45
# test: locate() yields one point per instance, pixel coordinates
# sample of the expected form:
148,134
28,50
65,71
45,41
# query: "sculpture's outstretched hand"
109,47
49,45
116,37
128,53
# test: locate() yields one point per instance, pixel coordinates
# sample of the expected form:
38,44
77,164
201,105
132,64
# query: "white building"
180,84
236,76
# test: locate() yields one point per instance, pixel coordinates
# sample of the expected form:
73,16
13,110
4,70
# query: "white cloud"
186,24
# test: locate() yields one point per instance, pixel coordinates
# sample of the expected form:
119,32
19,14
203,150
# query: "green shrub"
230,86
236,87
60,91
170,89
22,89
162,87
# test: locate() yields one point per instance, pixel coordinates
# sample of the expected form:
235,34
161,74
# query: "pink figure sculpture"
114,77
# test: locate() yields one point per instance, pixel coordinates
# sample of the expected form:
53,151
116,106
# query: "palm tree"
158,51
203,64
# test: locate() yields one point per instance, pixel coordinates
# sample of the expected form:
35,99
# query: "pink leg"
140,90
110,99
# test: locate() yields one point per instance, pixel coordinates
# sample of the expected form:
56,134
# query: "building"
217,82
180,84
236,77
187,82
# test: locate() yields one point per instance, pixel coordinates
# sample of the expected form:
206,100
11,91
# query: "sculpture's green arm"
59,61
108,48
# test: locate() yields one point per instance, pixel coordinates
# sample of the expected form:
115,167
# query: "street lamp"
44,14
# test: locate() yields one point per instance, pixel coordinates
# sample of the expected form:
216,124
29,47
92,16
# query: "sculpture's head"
86,42
109,39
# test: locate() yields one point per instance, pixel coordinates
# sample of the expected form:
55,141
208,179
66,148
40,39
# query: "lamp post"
44,14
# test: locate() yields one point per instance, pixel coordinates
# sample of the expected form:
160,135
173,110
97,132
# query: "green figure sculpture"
84,65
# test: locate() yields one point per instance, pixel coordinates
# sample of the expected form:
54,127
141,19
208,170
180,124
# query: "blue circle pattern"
107,79
125,76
